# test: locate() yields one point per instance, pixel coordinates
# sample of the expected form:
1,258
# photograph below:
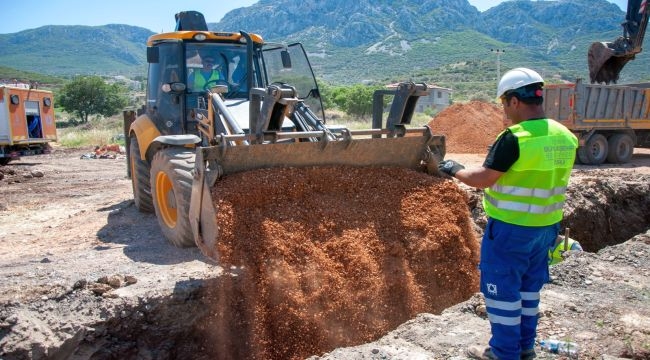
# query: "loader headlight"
47,101
200,37
15,99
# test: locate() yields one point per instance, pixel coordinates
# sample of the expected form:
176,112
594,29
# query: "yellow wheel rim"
166,199
133,174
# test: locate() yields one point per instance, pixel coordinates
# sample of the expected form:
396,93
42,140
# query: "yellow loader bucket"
419,150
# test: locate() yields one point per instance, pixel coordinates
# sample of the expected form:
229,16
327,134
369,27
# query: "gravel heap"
469,127
327,257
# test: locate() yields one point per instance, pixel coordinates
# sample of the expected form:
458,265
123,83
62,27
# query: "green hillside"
444,42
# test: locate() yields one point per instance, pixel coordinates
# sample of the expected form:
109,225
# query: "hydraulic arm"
607,59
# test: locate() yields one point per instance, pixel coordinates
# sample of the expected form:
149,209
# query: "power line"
498,52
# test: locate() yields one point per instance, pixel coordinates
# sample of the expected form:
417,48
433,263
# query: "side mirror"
153,55
286,59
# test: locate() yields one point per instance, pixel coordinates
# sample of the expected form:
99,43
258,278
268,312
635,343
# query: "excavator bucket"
606,61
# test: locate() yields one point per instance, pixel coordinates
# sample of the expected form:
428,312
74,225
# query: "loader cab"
179,75
177,80
290,64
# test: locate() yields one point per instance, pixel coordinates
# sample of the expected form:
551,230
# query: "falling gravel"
327,257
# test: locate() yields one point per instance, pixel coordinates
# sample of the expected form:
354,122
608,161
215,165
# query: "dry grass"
97,132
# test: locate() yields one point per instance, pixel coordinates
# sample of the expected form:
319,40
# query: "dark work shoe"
481,353
528,354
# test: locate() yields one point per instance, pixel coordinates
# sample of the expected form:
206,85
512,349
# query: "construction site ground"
87,276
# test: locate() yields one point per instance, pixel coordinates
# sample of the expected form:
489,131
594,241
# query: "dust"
327,257
469,128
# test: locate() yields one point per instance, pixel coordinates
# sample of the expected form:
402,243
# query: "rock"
80,284
99,288
114,281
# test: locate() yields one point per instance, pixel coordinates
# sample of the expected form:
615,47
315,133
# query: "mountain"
364,40
70,50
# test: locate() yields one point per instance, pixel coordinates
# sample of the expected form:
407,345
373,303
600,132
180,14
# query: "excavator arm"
607,59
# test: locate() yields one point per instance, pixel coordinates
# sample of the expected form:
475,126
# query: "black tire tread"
617,141
140,179
178,164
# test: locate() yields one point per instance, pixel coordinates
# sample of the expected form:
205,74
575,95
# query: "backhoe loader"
607,59
251,105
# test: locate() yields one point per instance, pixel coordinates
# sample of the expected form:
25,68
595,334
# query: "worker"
209,74
556,253
525,175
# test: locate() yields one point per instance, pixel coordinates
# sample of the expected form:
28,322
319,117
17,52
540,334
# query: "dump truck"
609,120
220,103
27,122
607,59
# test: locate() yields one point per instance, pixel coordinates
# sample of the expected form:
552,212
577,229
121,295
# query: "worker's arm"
478,177
502,155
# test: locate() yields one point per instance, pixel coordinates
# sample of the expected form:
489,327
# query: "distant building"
130,84
438,99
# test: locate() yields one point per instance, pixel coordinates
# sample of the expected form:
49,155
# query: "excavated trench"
286,299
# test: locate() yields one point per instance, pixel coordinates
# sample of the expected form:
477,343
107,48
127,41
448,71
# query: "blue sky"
157,16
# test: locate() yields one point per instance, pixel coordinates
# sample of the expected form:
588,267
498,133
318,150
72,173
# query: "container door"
33,120
48,120
5,129
18,123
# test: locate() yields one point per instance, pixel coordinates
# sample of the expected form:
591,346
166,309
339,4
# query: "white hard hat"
516,78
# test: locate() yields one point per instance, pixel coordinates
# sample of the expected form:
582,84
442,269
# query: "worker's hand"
450,167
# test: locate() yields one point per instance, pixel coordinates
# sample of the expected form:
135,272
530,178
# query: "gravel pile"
327,257
469,127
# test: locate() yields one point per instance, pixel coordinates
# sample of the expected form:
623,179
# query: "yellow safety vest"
532,191
555,255
200,81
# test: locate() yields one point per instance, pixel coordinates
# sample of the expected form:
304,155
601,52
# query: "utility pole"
498,52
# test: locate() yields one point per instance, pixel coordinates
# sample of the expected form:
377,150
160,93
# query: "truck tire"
140,181
595,150
621,148
171,189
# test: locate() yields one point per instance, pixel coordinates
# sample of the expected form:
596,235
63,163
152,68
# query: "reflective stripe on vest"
521,206
519,191
532,192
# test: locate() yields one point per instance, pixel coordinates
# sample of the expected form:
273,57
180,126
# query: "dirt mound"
469,128
328,257
603,210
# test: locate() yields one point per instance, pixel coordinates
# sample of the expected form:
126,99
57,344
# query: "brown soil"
469,128
86,276
339,256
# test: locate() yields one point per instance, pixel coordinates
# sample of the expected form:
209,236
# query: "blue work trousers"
514,268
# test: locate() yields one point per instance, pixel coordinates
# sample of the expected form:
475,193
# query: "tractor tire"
171,189
595,150
621,148
140,182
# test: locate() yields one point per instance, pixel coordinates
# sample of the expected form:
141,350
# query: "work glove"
450,167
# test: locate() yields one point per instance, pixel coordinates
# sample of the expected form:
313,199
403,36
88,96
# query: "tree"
89,95
355,100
